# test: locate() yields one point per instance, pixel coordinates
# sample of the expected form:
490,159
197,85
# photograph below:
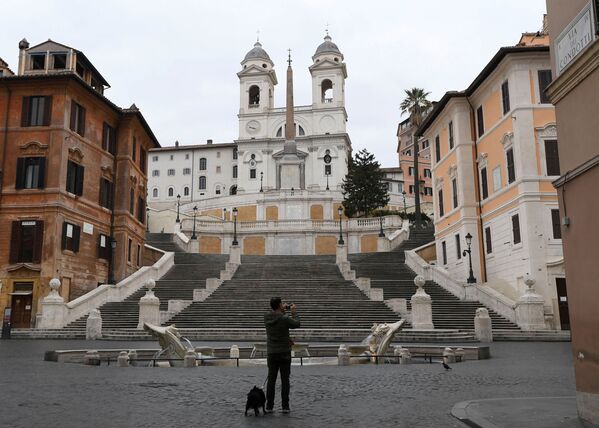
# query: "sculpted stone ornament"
483,329
169,339
422,314
378,341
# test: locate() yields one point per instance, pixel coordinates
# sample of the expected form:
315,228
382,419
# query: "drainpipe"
479,219
5,142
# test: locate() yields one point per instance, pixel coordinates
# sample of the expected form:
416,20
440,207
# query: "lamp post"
327,181
224,214
471,279
178,220
235,227
195,211
381,233
261,177
404,203
340,212
148,219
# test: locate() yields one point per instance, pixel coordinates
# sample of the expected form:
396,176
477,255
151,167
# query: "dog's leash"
264,383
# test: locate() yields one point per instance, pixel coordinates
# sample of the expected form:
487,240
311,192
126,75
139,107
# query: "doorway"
22,299
562,303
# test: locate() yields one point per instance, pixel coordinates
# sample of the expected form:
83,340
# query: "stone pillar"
54,310
448,356
530,311
149,307
132,357
234,352
343,356
235,254
194,246
341,254
460,355
93,325
422,313
123,359
483,329
91,358
190,359
382,244
404,356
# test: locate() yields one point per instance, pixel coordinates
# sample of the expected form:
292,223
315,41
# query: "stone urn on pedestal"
54,310
422,313
149,306
530,310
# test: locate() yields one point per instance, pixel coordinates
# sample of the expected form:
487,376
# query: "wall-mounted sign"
88,228
575,38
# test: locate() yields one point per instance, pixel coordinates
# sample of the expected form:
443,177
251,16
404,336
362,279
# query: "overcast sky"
177,60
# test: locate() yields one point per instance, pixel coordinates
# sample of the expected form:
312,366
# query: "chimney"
177,143
209,141
23,46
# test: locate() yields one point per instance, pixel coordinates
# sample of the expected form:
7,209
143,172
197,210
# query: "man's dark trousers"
278,362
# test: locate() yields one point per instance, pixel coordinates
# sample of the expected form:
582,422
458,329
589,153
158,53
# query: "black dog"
256,399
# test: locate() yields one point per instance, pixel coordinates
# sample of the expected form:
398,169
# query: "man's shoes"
286,410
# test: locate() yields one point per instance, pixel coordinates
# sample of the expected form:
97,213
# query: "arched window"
186,191
155,192
233,190
234,171
254,95
202,182
234,153
171,192
300,130
327,91
280,132
203,164
217,190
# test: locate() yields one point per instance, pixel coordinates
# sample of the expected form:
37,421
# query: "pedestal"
341,254
149,307
382,244
422,313
194,246
93,325
54,310
530,310
483,329
235,254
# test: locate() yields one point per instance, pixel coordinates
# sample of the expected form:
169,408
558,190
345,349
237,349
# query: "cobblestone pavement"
34,393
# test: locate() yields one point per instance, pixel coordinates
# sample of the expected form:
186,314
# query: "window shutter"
105,143
63,243
76,237
484,184
38,242
47,110
20,178
516,228
555,220
79,183
81,124
25,112
73,116
112,148
41,180
15,242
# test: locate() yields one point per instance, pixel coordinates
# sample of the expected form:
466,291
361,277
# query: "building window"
155,192
38,61
75,174
186,156
202,164
511,170
427,173
138,255
109,138
60,61
142,159
172,157
154,158
327,91
253,173
454,185
218,155
134,149
552,157
234,171
141,210
480,121
30,173
233,190
411,171
428,191
441,210
131,201
235,153
425,144
36,111
202,183
444,250
483,183
106,193
516,229
411,189
26,241
408,153
186,191
186,171
488,242
218,169
496,179
103,247
171,192
458,247
505,97
170,172
544,81
217,191
555,222
437,149
77,118
129,249
254,93
450,135
155,173
327,170
71,234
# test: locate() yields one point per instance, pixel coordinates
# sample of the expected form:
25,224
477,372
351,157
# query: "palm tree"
417,105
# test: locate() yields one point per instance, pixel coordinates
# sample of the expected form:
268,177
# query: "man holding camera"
278,348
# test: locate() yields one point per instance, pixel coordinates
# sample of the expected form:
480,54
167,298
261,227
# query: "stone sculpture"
378,341
169,340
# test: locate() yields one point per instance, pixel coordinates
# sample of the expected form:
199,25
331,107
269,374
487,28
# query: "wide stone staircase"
163,241
389,272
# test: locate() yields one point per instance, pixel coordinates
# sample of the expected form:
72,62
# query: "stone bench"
297,348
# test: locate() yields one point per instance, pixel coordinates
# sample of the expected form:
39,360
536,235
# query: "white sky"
177,60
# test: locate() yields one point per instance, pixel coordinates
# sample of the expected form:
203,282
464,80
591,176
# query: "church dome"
327,47
257,53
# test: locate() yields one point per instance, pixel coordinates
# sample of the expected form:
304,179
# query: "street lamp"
235,227
471,279
404,203
341,241
224,214
381,233
178,205
261,177
195,211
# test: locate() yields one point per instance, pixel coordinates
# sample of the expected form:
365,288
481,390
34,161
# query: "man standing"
278,348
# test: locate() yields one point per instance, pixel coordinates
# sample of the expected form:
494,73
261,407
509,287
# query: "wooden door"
562,303
21,311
